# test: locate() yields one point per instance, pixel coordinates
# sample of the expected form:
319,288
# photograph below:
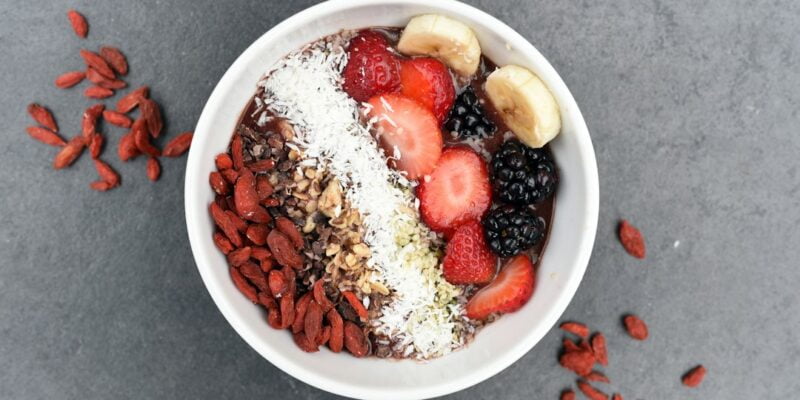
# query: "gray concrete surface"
693,109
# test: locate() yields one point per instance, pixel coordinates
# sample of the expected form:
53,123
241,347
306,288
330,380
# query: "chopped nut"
360,250
310,173
302,185
330,201
309,225
286,130
332,249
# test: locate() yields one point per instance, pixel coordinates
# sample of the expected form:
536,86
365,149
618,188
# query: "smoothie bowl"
391,199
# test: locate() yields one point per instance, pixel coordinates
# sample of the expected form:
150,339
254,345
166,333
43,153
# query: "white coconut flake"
305,88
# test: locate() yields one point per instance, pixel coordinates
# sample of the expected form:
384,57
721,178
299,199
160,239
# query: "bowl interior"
496,346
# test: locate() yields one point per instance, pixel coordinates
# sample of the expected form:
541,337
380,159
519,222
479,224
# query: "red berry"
428,81
405,127
511,289
457,191
467,258
371,68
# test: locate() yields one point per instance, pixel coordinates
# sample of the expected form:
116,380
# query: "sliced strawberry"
408,130
511,289
371,68
457,191
428,81
467,258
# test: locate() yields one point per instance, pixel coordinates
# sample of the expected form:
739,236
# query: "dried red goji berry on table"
596,376
177,146
356,304
575,328
115,59
152,114
320,297
223,161
117,118
126,149
567,395
223,244
599,348
106,173
69,153
100,186
46,136
42,116
69,79
312,324
89,121
694,377
142,140
132,99
631,239
93,60
78,22
569,345
579,361
336,341
300,312
288,228
253,273
96,145
354,340
239,256
636,328
243,285
591,392
97,92
153,169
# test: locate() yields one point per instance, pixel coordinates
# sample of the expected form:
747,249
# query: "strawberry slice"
428,81
467,258
457,191
408,130
511,289
371,68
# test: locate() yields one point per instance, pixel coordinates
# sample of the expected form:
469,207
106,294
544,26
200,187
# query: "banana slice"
525,104
444,38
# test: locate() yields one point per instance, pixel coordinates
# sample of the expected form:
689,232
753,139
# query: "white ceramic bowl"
495,347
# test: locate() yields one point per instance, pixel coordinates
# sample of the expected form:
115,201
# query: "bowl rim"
584,244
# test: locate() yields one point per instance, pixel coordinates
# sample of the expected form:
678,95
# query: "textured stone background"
693,108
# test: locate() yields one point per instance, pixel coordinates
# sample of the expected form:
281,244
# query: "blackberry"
510,230
467,117
523,175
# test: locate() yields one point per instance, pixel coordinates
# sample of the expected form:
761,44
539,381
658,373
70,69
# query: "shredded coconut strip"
305,88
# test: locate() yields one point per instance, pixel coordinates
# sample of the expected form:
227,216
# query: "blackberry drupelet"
511,230
523,175
467,117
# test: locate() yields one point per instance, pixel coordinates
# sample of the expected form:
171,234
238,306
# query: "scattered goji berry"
631,239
